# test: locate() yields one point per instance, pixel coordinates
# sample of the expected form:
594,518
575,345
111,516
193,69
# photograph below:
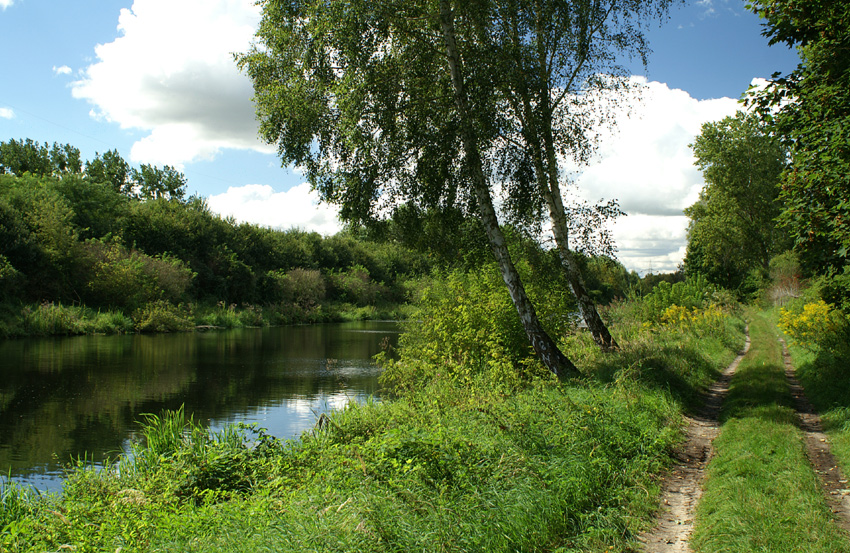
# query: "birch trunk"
542,343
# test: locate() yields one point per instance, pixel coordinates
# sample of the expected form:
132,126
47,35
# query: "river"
67,398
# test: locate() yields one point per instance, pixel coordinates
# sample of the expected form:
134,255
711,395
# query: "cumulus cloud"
61,70
7,113
260,204
6,3
171,73
647,165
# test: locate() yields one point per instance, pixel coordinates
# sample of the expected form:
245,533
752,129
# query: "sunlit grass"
449,467
761,493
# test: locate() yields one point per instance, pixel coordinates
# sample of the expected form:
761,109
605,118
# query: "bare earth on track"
817,448
683,486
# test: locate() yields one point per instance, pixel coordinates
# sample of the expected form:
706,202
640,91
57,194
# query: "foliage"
822,371
356,286
814,325
435,471
809,108
10,279
732,232
693,293
106,238
16,504
117,277
49,319
607,279
711,319
551,466
430,104
27,156
785,279
465,326
162,316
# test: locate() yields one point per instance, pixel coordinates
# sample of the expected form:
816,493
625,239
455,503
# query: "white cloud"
171,73
7,113
260,204
648,166
61,70
6,3
708,6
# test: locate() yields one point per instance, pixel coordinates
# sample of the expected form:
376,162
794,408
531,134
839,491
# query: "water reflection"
68,397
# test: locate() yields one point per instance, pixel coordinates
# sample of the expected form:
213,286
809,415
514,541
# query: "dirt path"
834,483
683,486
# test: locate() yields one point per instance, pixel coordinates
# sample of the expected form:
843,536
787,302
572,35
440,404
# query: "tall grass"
48,319
453,469
16,504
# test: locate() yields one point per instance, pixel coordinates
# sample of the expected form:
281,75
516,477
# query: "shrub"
11,280
161,316
709,320
814,325
356,286
465,327
118,277
303,288
785,277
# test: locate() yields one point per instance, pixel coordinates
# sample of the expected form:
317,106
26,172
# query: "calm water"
64,398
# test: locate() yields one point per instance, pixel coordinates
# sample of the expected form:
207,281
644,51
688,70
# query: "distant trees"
18,157
26,156
733,231
118,237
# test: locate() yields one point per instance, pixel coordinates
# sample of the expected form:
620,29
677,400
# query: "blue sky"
154,79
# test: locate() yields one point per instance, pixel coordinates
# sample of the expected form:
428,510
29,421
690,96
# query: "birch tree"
435,102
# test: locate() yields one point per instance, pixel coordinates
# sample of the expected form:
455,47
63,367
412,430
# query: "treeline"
774,210
104,235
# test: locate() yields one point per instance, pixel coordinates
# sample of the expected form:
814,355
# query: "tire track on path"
683,486
834,484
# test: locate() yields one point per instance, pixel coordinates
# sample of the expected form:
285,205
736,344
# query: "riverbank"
56,319
454,467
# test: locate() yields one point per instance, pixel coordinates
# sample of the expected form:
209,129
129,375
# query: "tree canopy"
733,230
436,103
810,108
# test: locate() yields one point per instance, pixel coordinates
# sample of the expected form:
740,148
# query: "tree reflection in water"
64,398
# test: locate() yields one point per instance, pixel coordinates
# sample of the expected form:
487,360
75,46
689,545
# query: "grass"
550,467
761,494
824,376
453,465
48,319
454,470
56,319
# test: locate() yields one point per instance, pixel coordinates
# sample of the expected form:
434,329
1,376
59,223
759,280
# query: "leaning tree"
387,101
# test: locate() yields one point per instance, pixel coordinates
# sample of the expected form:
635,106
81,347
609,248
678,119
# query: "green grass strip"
823,374
761,493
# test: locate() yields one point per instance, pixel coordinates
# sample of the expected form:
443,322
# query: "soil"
683,486
834,483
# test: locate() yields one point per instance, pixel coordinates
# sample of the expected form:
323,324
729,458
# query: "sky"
155,80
